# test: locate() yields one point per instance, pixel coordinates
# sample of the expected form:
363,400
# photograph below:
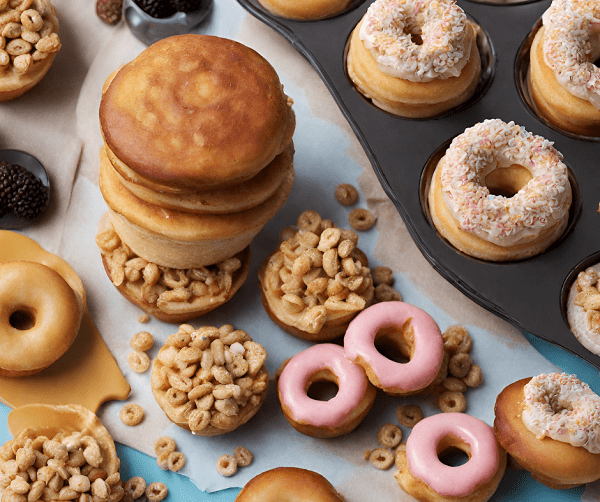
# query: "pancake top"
195,111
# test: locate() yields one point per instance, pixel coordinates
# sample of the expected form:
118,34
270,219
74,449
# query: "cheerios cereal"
361,219
385,293
142,341
138,361
164,444
242,456
382,275
452,402
131,414
155,492
409,415
176,461
381,458
227,465
144,318
135,486
474,377
346,194
389,435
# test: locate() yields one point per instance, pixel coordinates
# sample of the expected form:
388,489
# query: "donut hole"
396,343
322,386
453,451
507,181
453,457
22,319
416,38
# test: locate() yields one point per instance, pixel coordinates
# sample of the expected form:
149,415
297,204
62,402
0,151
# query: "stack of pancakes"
197,154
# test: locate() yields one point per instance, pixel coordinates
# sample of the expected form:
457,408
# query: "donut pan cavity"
530,294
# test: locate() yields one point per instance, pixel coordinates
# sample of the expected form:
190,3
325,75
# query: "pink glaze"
462,480
400,377
352,383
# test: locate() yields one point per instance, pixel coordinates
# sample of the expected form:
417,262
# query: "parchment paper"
327,153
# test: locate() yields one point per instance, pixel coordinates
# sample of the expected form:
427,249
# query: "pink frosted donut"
339,415
391,322
422,474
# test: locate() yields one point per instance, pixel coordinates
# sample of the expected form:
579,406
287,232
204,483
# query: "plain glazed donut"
498,227
305,10
533,412
392,324
288,484
410,79
340,414
39,317
564,82
423,475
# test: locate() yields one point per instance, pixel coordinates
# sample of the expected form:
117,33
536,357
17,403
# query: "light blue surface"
314,183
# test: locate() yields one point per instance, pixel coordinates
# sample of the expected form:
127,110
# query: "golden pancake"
196,112
239,197
180,239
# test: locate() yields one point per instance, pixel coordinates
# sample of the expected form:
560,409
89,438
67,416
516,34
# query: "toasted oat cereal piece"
409,415
381,458
138,361
459,364
135,486
242,456
385,293
131,414
389,435
361,219
155,492
454,384
474,377
366,454
346,194
144,318
176,461
227,465
164,444
142,341
452,402
382,275
457,339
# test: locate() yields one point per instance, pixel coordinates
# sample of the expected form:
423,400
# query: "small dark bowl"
9,221
149,29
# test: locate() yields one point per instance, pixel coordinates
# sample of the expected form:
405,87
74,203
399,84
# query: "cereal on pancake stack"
197,157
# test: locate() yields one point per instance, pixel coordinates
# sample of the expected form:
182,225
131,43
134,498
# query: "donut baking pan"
530,294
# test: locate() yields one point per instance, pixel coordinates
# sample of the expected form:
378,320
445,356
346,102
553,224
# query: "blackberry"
156,8
21,192
186,6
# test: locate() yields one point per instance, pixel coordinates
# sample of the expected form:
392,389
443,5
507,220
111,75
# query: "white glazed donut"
424,348
387,30
578,422
498,227
572,31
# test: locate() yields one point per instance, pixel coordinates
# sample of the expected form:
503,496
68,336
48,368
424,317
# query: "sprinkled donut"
564,82
550,424
388,64
386,31
396,320
423,475
340,414
499,227
577,423
569,25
